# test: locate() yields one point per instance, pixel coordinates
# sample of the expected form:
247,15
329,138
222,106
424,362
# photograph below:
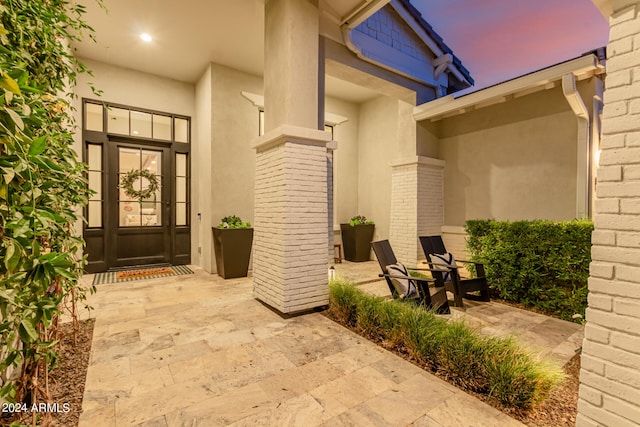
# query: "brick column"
610,375
290,241
291,197
417,205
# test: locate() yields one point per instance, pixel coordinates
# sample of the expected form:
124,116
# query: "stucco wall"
511,161
377,146
202,255
136,89
345,160
234,124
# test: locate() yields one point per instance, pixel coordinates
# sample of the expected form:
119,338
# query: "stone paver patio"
198,350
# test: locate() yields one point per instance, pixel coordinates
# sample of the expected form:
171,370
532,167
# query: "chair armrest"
444,270
469,261
447,267
417,279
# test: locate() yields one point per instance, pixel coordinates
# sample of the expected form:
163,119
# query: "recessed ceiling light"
146,37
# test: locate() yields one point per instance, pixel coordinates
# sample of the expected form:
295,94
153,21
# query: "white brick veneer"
610,375
291,219
417,206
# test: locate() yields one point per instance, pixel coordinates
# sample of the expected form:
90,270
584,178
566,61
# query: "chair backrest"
385,256
433,245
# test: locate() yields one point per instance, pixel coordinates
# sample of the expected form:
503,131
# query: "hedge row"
540,264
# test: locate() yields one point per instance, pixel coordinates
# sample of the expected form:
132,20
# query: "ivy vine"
42,183
130,178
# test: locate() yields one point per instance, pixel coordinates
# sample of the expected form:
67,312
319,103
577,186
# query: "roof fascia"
449,105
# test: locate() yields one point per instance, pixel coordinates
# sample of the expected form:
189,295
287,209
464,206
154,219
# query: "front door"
140,205
139,169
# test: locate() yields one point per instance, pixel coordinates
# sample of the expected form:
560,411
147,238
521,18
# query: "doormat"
139,274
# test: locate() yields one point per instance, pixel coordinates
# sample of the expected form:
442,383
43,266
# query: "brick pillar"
610,374
290,241
291,197
417,205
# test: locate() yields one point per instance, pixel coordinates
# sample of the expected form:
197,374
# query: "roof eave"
582,67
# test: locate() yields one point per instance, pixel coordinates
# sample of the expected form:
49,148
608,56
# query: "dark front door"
139,206
138,166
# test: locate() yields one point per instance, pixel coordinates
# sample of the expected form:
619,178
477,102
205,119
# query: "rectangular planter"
233,250
356,241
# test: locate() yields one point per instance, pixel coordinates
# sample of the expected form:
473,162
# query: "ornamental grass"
497,367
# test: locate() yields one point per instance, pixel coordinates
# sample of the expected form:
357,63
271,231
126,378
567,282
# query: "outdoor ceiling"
187,35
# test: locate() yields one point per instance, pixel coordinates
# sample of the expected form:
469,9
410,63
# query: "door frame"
99,242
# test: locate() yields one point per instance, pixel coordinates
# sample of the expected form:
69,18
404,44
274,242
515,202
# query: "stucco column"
291,210
610,378
417,205
291,50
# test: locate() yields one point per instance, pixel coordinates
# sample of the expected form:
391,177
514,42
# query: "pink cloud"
501,39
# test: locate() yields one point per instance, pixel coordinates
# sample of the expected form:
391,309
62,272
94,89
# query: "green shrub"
496,366
360,220
541,264
233,221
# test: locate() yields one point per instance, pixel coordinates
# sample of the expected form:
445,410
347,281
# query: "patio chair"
437,255
402,285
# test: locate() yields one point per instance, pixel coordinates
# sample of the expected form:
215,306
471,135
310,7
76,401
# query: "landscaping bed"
67,379
494,370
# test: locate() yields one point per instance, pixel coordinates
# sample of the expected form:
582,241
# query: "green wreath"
128,179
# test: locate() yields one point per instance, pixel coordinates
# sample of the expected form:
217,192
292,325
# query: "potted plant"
356,238
232,240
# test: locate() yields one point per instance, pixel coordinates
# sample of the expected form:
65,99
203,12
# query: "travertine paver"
201,351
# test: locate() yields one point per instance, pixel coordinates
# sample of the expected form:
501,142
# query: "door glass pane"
181,189
141,124
129,159
93,117
94,157
181,129
118,121
181,164
95,214
151,161
95,184
162,127
136,210
181,214
94,177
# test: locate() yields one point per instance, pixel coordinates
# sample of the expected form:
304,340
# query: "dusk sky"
498,40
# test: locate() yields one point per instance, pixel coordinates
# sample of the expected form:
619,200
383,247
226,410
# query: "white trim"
417,160
290,133
583,67
258,101
334,119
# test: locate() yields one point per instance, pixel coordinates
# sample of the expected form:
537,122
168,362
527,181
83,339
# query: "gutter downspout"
583,144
